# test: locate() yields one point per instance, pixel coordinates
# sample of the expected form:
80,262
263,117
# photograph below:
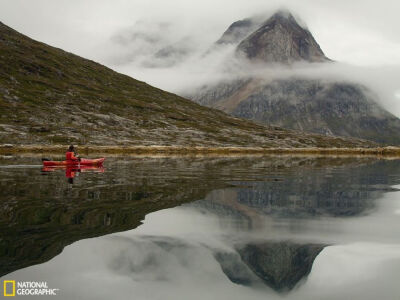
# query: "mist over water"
249,228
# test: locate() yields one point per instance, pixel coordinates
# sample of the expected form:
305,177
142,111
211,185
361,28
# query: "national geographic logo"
9,288
27,288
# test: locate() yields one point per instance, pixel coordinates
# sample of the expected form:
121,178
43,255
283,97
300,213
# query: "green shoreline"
381,151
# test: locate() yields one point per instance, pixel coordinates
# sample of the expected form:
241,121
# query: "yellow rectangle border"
5,288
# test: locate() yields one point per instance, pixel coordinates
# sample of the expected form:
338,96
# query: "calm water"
204,228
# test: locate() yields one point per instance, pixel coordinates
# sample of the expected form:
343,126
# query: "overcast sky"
363,33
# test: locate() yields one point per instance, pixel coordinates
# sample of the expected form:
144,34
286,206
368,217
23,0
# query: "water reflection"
251,228
280,265
72,171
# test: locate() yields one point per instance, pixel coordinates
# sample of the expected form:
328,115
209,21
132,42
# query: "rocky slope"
50,96
319,106
312,105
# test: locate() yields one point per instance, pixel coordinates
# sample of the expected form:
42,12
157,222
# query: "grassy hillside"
49,96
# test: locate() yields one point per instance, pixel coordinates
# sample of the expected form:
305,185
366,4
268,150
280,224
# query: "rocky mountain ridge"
333,107
281,40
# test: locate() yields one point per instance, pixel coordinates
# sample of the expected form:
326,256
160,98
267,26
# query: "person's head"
71,148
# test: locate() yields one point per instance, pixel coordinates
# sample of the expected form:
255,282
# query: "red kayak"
82,162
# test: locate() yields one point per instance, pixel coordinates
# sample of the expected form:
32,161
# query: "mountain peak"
281,39
282,13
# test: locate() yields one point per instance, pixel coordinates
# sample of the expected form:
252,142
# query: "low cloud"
220,64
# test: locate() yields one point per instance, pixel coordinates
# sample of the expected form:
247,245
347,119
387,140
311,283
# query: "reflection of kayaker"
80,169
70,174
70,155
71,171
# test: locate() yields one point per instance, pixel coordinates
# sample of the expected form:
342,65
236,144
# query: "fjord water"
214,227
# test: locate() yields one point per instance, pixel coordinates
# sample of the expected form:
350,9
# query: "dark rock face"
281,40
341,109
280,265
323,107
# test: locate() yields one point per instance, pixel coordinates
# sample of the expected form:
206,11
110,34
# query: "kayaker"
70,155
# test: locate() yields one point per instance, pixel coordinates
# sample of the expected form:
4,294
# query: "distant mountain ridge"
330,107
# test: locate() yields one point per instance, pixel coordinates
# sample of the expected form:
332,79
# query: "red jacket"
70,156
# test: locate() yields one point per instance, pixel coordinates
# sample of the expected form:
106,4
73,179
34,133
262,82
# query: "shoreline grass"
180,150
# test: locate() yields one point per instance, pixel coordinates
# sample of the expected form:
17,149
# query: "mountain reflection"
280,265
306,190
42,214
